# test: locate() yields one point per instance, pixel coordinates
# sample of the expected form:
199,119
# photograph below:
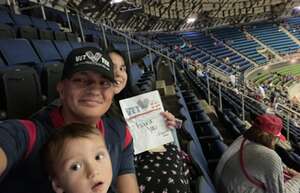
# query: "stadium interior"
209,60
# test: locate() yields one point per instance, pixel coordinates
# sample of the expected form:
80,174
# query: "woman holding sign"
162,169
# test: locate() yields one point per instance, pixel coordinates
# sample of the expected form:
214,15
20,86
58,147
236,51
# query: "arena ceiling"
172,15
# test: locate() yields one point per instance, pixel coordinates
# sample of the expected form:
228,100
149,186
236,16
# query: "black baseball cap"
88,58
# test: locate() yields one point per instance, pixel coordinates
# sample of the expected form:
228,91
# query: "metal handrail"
280,109
137,42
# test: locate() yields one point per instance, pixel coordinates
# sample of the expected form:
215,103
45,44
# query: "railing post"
243,107
13,6
288,127
151,61
104,36
80,26
68,19
173,67
208,89
128,51
43,12
220,97
174,72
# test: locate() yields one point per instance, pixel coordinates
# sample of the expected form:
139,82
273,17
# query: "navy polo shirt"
22,140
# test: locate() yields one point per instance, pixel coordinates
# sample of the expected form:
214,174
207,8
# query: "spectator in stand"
177,48
163,169
226,60
232,79
261,92
199,72
295,120
78,170
86,91
250,164
190,44
185,61
274,96
198,64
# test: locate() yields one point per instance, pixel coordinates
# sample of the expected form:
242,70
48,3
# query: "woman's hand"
171,120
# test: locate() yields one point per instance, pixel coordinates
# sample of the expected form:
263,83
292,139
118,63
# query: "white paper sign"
147,126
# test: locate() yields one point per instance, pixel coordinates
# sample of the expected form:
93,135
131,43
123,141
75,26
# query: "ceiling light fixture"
116,1
191,20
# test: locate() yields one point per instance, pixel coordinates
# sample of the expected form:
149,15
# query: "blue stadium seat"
202,186
45,34
2,63
39,23
289,157
52,68
198,159
230,126
20,94
4,8
61,36
5,18
91,38
53,26
135,73
7,32
27,56
91,44
27,32
63,48
46,51
72,37
75,44
22,20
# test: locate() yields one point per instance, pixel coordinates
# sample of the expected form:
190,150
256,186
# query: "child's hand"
291,172
171,120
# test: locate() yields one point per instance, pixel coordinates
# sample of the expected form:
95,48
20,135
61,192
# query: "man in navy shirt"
86,91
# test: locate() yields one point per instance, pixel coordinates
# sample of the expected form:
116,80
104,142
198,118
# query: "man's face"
85,96
83,170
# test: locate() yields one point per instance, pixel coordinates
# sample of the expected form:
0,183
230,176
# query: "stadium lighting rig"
191,20
116,1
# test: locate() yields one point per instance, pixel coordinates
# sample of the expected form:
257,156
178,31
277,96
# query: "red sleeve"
31,131
18,139
128,138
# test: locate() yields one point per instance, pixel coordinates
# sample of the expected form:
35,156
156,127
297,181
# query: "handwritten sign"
147,126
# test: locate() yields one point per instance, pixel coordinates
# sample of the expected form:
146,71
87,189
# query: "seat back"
2,63
198,159
202,186
27,32
75,44
39,23
22,20
61,36
20,92
46,50
5,18
45,34
50,77
19,51
52,68
6,32
53,26
72,37
63,47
